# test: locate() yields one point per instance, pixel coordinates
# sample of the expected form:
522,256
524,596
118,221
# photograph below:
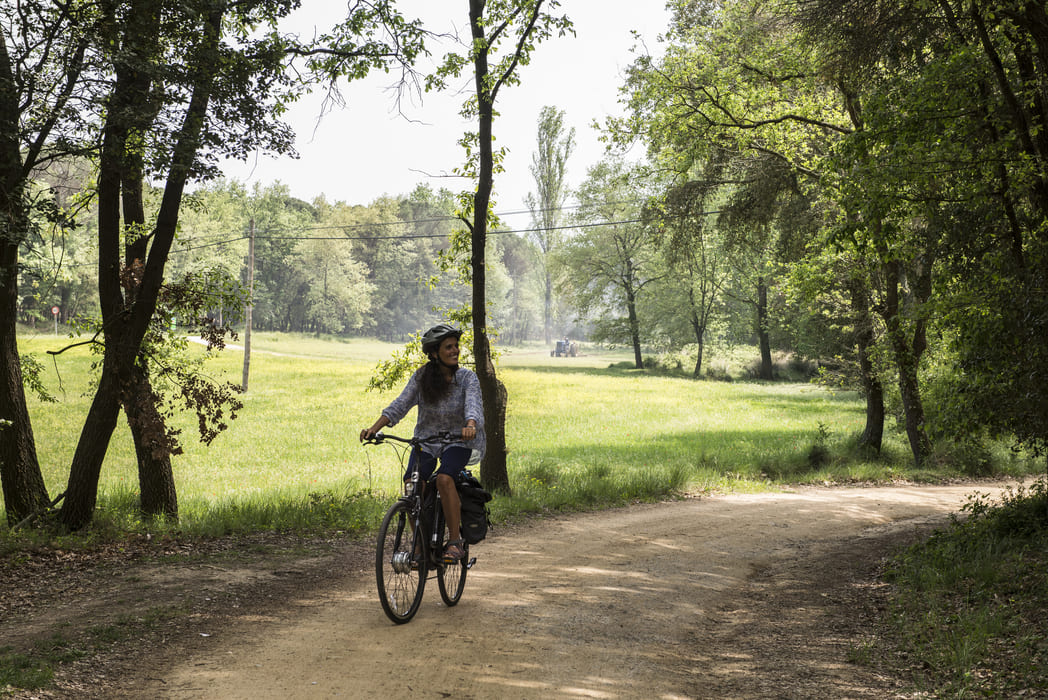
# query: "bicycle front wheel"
452,578
399,572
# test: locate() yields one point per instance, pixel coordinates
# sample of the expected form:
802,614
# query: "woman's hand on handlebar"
370,433
469,432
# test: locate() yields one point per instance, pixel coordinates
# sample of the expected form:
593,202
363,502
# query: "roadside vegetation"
585,432
967,612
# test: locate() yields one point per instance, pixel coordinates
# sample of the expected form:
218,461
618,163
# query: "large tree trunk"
153,447
82,489
86,467
23,483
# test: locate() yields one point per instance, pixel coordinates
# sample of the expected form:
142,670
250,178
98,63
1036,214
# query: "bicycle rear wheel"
401,576
452,578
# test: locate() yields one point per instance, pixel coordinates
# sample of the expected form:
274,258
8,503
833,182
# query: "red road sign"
54,310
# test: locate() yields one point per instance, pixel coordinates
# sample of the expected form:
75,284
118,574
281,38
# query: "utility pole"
250,302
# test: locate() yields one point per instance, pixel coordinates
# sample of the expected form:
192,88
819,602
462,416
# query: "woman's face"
448,352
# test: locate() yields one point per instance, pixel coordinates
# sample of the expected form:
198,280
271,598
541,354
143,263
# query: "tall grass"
581,433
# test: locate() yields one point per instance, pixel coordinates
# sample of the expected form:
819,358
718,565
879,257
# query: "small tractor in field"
565,348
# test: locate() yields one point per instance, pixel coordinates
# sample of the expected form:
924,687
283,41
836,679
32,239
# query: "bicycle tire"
400,581
451,576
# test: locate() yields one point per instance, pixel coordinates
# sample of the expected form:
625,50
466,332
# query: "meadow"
582,432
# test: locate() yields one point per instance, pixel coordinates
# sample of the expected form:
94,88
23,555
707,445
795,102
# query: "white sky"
367,149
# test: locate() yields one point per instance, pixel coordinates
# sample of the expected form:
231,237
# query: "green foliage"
32,368
391,373
903,136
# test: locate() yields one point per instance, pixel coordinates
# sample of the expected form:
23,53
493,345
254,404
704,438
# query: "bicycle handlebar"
444,438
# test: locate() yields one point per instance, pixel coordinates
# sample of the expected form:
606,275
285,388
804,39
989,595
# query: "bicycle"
411,543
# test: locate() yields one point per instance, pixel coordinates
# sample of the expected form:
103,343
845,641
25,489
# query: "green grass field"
582,432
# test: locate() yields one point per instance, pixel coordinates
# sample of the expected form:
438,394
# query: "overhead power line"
415,222
301,233
278,235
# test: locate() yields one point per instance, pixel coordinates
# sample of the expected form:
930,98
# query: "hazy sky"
366,149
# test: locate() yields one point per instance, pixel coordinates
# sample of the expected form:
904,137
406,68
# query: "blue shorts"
452,462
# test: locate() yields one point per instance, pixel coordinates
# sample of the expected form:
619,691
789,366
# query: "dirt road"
744,596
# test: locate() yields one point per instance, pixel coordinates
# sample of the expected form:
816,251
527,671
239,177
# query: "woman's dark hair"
432,383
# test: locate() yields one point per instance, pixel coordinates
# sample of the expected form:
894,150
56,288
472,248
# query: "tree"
690,242
950,141
548,168
339,296
764,212
522,24
187,86
614,257
43,53
129,292
839,323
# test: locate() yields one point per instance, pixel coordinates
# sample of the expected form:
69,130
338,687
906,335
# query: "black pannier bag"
474,508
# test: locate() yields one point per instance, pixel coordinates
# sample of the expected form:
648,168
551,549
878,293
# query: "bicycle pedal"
470,563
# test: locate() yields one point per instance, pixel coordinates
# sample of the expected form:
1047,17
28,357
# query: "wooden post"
250,302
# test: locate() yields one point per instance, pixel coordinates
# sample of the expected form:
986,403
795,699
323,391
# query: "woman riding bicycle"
448,400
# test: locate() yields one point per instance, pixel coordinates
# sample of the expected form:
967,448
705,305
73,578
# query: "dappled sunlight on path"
653,601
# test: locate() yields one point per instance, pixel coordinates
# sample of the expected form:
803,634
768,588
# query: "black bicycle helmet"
432,338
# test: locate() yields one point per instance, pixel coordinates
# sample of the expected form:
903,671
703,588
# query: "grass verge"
967,613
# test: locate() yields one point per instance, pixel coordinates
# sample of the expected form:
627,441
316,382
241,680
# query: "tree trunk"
493,469
82,490
697,373
873,434
766,371
156,480
23,483
907,360
698,326
631,310
153,447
